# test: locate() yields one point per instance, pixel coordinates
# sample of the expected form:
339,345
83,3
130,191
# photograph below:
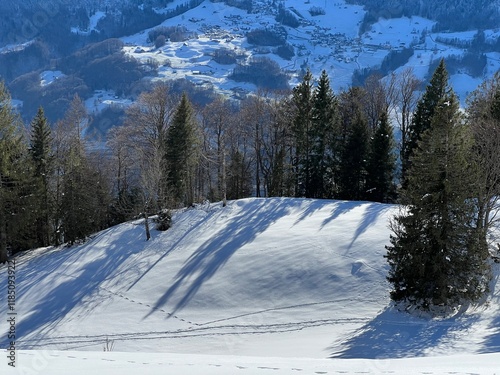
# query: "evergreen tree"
81,192
76,210
302,126
181,154
495,105
324,118
437,89
353,161
381,163
41,155
239,182
437,255
17,188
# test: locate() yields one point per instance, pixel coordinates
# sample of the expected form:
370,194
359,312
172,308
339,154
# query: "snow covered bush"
164,220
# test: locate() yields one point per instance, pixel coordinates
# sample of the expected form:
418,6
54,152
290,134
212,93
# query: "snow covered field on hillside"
278,284
330,42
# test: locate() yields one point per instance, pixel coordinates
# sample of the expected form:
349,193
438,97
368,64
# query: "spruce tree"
324,118
380,185
353,163
181,154
302,127
16,183
437,255
41,155
434,93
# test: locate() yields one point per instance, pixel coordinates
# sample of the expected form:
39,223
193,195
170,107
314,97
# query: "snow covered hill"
261,284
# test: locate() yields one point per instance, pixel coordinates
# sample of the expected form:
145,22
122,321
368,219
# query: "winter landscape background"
262,285
44,60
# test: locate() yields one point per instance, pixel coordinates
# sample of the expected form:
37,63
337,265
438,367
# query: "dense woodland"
58,186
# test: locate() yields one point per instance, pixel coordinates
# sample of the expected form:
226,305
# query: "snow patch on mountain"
94,20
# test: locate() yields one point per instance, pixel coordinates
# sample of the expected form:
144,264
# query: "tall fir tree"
353,163
302,127
324,119
41,154
380,186
16,184
181,154
437,255
434,93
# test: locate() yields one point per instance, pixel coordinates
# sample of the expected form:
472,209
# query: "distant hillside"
52,21
451,15
232,47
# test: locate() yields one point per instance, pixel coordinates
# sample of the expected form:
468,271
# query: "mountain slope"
261,277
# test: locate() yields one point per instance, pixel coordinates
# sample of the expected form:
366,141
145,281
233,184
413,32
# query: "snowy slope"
289,282
112,363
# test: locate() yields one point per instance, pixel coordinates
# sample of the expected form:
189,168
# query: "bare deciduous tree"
484,119
404,88
146,125
218,118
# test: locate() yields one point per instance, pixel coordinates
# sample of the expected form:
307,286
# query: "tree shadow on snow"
492,340
211,256
58,301
394,334
369,218
341,208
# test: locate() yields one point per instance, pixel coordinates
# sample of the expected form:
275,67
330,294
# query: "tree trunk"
146,225
224,181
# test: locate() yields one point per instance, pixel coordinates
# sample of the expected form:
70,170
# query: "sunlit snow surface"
111,363
282,284
49,76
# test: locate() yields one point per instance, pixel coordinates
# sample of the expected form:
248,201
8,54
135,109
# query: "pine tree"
41,155
353,163
81,192
302,126
181,154
324,118
437,255
16,183
238,181
437,89
380,185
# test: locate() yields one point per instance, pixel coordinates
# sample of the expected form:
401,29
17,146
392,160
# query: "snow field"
263,284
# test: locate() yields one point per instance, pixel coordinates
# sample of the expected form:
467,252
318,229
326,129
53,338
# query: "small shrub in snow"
164,220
